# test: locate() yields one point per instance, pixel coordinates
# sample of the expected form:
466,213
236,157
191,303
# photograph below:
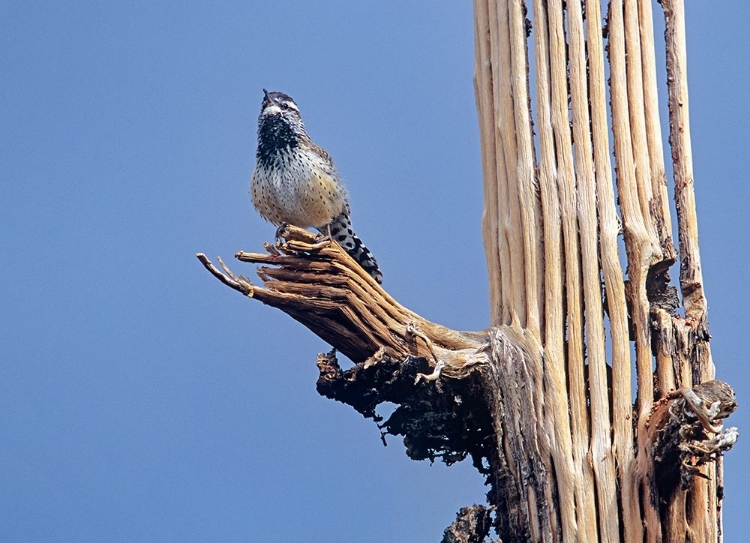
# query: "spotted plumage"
295,181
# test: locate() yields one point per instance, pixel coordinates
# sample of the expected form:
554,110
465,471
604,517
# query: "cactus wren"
295,181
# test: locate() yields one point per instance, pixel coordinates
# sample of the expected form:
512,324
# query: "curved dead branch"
320,285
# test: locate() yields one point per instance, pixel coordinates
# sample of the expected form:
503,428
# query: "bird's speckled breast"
298,187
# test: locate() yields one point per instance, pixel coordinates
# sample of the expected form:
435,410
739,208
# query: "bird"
295,181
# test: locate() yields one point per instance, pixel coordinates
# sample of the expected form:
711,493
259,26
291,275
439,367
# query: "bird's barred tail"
342,233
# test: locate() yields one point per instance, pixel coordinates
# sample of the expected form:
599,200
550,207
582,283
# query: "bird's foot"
280,231
324,235
324,238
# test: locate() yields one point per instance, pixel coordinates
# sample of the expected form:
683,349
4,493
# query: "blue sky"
143,401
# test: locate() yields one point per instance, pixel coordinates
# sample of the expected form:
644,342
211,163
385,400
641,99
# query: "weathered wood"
542,401
601,450
568,460
485,377
319,285
577,203
472,525
685,433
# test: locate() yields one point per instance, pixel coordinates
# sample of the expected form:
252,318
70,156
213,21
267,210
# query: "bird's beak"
268,97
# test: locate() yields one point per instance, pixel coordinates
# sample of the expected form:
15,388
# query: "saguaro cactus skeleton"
542,400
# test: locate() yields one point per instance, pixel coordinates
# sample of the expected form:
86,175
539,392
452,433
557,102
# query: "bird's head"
279,124
278,103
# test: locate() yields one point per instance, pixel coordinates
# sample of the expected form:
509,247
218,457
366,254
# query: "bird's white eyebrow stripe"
292,105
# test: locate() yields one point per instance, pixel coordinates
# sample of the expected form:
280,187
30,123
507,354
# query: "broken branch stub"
685,431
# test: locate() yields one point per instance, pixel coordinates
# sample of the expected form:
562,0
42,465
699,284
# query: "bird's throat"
275,136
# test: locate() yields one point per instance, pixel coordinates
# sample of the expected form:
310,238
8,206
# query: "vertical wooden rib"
660,207
601,452
527,201
661,213
613,280
507,129
501,95
575,524
556,401
638,124
568,214
637,240
691,274
702,512
483,85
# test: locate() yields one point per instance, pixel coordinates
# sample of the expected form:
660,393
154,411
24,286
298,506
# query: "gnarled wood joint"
685,431
472,525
